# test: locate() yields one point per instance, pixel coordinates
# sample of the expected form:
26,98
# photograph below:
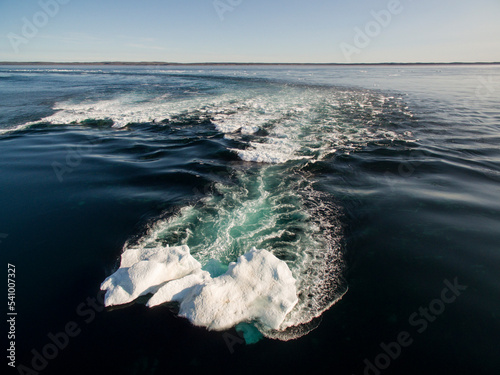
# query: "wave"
275,123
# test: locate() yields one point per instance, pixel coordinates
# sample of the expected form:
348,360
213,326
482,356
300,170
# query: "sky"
270,31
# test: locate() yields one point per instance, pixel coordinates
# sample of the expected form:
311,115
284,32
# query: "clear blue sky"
249,31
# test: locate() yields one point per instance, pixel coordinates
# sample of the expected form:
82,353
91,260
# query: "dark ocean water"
378,186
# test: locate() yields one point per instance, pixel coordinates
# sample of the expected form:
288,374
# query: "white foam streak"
276,151
287,123
298,275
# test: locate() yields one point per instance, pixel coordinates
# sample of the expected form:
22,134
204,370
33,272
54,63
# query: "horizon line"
237,63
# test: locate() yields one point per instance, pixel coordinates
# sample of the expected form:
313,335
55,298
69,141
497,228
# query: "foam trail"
271,205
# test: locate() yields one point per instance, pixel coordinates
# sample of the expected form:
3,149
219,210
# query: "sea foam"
272,204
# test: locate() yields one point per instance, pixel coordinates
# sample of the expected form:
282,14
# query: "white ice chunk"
178,290
258,287
143,271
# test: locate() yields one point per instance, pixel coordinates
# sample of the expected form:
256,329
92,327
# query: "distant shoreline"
155,63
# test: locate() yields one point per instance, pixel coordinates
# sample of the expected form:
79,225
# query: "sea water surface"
378,188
